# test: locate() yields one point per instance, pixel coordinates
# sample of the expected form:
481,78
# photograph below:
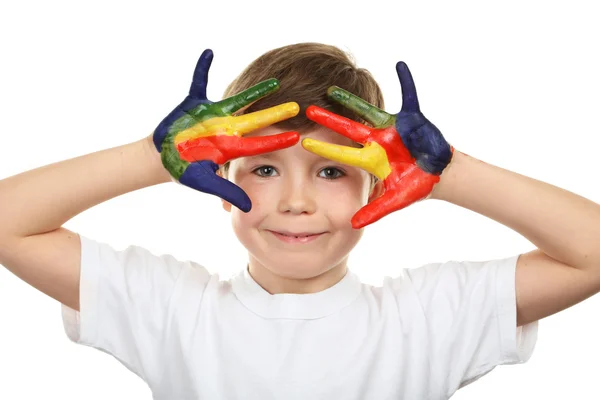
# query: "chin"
301,265
296,266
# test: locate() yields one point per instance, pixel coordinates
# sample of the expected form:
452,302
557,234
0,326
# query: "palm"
406,151
198,135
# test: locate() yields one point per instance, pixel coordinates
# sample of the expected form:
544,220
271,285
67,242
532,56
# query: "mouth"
296,237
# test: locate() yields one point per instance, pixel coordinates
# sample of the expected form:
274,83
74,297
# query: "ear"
376,191
226,204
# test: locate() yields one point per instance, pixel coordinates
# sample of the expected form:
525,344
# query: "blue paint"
422,139
201,176
196,97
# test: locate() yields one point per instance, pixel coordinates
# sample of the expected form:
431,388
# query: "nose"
298,197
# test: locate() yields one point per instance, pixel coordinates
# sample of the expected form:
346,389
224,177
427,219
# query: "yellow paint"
239,125
372,157
210,127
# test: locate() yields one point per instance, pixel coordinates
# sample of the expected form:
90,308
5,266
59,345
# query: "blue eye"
264,171
332,173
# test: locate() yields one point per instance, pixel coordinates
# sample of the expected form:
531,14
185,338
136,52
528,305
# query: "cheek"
244,226
262,202
263,197
242,220
344,199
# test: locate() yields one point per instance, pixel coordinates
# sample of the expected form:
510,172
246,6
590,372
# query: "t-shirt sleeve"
124,301
471,315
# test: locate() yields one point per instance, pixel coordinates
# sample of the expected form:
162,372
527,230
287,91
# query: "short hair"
305,71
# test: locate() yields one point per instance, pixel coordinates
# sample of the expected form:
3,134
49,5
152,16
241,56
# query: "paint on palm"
406,151
199,135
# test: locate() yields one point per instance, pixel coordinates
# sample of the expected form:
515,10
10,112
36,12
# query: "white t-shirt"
190,335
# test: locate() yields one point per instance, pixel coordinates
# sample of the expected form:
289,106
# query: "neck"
276,284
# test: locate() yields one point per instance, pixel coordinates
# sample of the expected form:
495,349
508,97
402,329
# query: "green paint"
205,111
170,156
248,96
377,117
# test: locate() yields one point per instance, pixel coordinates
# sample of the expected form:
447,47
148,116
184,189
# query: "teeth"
295,236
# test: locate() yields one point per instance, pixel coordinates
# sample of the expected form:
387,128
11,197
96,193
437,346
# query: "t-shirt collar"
291,305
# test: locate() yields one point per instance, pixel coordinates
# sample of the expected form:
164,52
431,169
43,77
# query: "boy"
296,323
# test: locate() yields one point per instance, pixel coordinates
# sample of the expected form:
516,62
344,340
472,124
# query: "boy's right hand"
199,135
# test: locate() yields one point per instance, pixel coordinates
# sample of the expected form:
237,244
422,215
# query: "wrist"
442,189
154,160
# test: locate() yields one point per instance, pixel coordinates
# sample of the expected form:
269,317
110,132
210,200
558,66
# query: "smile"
298,238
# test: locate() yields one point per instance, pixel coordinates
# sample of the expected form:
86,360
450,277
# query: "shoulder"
454,274
135,267
440,285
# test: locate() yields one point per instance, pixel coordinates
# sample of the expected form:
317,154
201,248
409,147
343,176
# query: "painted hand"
406,151
198,135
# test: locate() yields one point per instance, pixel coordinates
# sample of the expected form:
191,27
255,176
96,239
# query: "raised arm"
187,146
35,204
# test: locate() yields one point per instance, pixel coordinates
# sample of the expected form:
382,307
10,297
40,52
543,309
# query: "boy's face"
299,226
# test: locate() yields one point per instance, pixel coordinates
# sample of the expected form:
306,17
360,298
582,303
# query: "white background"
515,85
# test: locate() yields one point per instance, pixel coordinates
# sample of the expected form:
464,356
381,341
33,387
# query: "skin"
295,195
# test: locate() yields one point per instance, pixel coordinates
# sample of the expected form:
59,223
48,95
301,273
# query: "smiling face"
298,233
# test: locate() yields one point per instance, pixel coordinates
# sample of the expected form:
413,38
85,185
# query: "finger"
410,102
344,126
202,176
238,125
374,211
372,158
248,96
413,186
260,119
265,144
198,88
376,117
222,148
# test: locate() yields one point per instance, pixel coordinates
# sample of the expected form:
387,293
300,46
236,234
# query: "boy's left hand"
406,151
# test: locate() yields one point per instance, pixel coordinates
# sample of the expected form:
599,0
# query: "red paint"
406,184
222,148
